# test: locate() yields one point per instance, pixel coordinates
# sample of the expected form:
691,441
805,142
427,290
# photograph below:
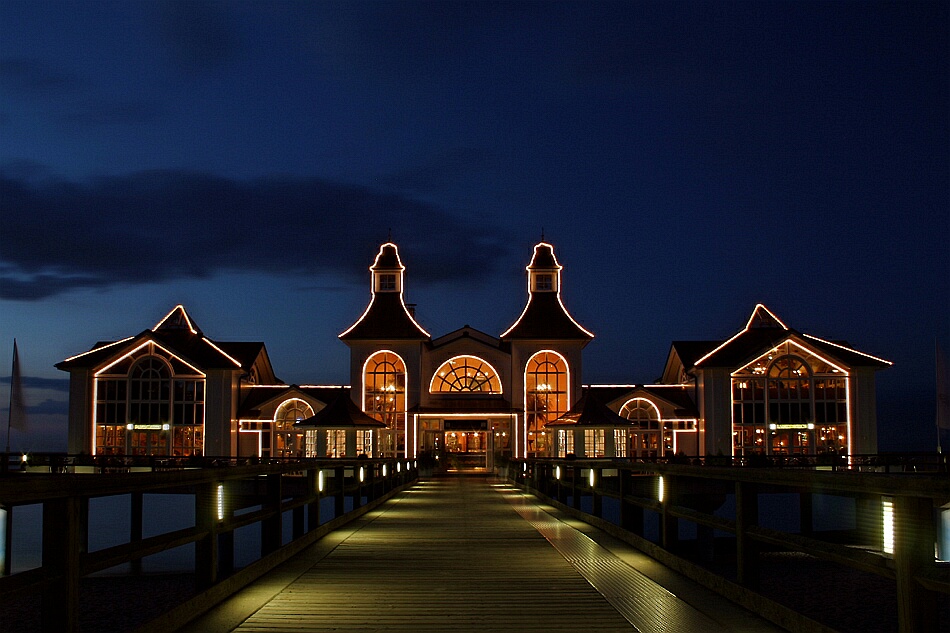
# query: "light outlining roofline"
524,375
596,386
221,351
849,349
741,332
799,346
372,290
659,416
136,349
531,294
481,360
171,312
281,405
405,412
99,349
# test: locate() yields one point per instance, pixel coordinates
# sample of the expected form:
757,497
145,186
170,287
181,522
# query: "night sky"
687,160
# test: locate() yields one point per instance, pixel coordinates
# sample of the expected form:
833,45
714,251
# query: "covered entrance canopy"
340,429
591,429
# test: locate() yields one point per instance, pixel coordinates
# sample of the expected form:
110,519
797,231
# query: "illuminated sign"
791,427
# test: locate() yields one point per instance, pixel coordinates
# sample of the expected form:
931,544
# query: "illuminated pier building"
470,398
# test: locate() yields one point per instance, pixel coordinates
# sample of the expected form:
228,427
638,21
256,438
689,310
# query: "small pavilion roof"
340,413
589,412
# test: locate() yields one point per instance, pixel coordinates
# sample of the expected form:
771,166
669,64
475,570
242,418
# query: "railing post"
272,527
313,508
6,562
339,498
206,548
747,514
914,536
575,492
597,497
135,527
62,537
226,547
631,515
669,525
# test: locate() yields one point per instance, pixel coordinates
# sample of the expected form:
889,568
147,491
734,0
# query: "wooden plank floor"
472,554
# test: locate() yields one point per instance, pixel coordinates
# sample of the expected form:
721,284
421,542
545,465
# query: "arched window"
646,435
384,398
547,398
643,412
288,442
465,373
149,406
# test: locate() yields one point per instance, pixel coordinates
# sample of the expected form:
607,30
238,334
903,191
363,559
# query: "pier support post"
6,563
62,543
339,498
914,536
631,515
206,548
669,524
271,527
135,528
747,555
597,499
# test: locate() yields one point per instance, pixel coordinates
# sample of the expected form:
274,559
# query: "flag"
17,404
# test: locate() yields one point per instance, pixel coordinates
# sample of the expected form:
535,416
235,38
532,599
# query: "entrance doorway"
465,445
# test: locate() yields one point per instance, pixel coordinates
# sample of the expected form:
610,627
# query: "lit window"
336,443
620,443
384,398
647,430
594,443
544,282
387,282
465,373
364,443
287,440
546,398
565,442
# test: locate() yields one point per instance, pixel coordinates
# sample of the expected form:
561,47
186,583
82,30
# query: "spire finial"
390,237
542,233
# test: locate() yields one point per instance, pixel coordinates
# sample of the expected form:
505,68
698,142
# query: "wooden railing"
697,494
227,496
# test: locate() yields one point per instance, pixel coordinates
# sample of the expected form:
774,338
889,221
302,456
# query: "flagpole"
10,408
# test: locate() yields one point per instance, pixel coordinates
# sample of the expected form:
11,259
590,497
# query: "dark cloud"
161,225
199,34
28,75
35,382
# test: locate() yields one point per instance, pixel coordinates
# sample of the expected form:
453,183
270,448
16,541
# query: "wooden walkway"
473,554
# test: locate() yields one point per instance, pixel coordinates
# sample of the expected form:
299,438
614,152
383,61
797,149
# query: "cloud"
35,382
158,226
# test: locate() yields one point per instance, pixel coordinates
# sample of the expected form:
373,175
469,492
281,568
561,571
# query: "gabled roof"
676,396
340,413
258,397
469,333
178,334
764,331
590,412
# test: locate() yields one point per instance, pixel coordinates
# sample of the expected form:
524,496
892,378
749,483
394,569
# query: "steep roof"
764,331
178,334
590,412
256,397
340,413
386,317
545,317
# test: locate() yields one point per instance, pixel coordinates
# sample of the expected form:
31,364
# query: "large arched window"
643,412
288,442
465,373
384,398
547,397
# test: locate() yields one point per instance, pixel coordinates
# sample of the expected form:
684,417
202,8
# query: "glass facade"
790,401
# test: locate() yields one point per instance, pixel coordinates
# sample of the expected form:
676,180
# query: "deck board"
473,554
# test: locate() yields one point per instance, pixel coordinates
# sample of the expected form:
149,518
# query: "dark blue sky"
687,160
